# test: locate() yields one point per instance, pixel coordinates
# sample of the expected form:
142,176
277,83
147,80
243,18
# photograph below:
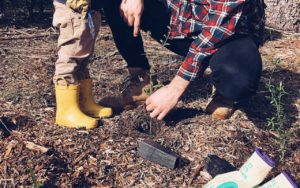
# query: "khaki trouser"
75,44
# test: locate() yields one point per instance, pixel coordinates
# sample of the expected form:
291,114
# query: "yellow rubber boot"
87,103
68,113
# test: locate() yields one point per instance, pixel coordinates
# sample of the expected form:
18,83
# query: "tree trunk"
283,14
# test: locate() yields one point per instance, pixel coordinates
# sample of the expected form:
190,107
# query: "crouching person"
79,26
221,34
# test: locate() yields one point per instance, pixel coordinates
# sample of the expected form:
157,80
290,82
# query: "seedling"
156,85
279,119
36,184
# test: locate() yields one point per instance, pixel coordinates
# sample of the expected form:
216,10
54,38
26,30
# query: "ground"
107,156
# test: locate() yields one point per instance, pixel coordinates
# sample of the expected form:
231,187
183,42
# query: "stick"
81,156
5,126
196,172
23,32
283,31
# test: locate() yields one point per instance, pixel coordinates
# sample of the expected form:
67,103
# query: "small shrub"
278,121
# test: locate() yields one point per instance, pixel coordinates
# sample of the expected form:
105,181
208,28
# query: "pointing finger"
137,23
130,20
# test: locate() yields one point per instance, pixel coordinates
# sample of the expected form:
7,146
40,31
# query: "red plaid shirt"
210,22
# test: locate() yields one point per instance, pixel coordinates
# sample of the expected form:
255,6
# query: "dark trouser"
236,66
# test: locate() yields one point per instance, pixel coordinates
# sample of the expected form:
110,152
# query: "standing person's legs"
75,46
236,70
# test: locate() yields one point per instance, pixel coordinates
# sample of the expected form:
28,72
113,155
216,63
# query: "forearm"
221,22
179,85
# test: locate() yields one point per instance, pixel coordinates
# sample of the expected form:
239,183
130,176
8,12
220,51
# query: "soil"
107,156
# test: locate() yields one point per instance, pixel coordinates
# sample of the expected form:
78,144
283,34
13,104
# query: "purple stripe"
290,180
265,158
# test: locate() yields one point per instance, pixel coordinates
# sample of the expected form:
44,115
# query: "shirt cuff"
189,68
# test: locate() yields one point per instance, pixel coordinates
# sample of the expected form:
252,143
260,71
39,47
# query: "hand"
81,6
165,99
131,11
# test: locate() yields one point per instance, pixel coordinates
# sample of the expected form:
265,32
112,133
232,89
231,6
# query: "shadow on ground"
181,114
271,35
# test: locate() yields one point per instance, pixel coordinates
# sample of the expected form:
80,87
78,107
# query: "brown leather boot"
134,91
220,107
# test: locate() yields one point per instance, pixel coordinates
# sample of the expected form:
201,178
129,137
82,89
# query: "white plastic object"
251,174
283,180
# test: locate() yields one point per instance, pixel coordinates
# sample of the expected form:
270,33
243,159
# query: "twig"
81,156
196,172
23,37
35,56
5,126
20,59
129,149
283,31
23,32
52,29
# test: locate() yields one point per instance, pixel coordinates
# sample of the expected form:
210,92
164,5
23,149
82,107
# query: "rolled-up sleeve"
219,24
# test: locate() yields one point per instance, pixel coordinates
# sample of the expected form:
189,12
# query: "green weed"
278,121
35,183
